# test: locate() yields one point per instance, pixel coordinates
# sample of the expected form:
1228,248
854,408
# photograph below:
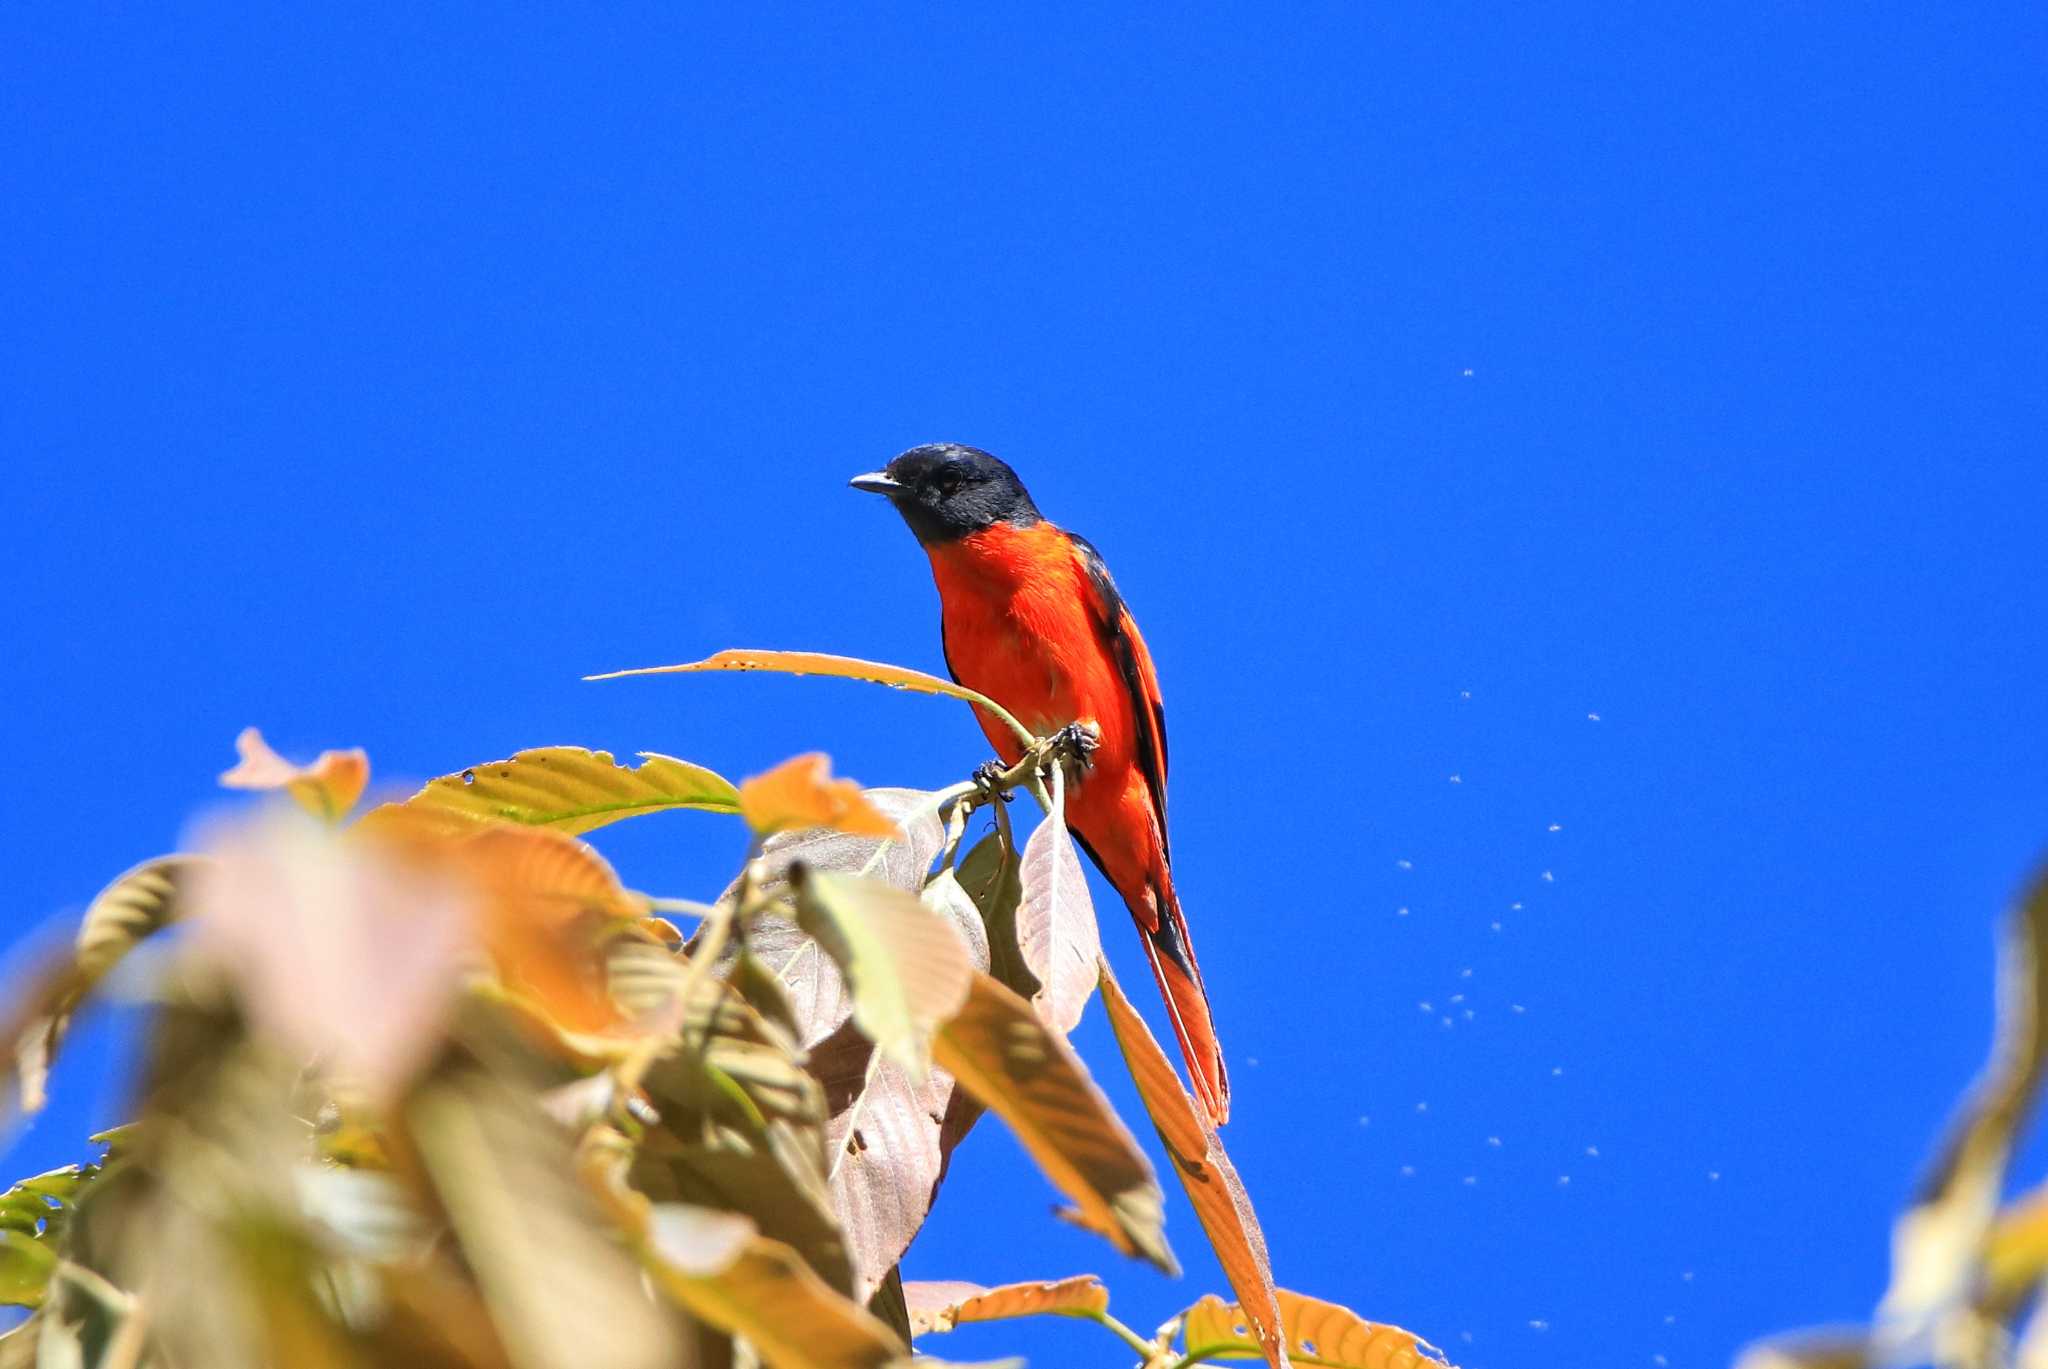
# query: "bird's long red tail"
1180,983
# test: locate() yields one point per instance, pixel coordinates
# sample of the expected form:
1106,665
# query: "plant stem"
1147,1351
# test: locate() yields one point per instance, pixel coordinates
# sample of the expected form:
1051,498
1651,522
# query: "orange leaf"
327,788
802,793
1220,1201
1322,1333
547,898
839,667
943,1306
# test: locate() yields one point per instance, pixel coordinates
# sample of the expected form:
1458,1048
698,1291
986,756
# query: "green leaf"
568,788
839,667
1002,1053
25,1268
908,967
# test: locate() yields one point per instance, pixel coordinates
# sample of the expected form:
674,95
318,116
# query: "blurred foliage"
1966,1273
434,1087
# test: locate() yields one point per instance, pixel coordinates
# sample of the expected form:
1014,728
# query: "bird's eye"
949,482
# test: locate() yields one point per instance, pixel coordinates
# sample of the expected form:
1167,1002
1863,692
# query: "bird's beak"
877,482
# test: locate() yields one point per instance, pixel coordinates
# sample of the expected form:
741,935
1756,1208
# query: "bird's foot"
988,782
1078,743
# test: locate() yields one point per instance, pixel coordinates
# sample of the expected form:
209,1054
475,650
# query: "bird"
1030,617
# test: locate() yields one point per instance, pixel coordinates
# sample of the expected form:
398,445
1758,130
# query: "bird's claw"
988,780
1078,741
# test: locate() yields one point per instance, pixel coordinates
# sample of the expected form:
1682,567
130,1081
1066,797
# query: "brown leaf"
1056,929
888,1137
943,1306
801,793
908,966
1320,1333
328,788
841,667
568,788
817,994
999,1051
716,1265
1218,1195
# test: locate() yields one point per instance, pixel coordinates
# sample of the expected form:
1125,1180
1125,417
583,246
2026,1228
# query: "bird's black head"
945,490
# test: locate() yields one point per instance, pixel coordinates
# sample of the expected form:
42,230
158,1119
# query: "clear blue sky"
371,377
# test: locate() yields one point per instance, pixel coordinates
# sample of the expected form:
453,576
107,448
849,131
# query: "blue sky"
1578,467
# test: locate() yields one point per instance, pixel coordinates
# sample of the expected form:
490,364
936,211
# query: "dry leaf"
942,1306
1319,1333
839,667
801,793
1056,930
1218,1195
999,1050
328,788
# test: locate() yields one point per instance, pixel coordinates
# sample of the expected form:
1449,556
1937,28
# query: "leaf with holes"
1318,1332
1218,1195
838,667
907,966
328,788
942,1306
801,793
568,788
1002,1053
1056,921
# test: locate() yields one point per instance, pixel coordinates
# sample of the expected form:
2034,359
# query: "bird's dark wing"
1119,633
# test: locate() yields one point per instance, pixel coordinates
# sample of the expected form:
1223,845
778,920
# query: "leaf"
817,995
568,788
801,793
559,1289
942,1306
716,1265
908,967
25,1268
1217,1194
1056,921
990,875
999,1050
1937,1241
338,948
891,1132
546,897
1821,1348
328,788
840,667
135,906
1319,1333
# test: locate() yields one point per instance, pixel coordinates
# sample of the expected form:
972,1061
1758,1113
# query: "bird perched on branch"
1032,619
